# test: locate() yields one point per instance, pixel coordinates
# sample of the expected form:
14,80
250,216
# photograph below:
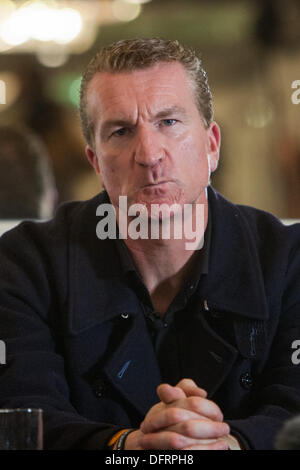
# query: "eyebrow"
114,123
164,113
171,110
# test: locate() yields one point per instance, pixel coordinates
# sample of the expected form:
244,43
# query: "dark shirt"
172,331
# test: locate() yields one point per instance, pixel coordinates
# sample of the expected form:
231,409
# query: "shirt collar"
200,267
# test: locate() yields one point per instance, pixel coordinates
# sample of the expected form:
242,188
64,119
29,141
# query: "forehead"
161,85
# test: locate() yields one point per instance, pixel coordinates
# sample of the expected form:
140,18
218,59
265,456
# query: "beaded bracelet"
121,440
115,437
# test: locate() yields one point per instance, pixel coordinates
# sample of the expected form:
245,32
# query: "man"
141,343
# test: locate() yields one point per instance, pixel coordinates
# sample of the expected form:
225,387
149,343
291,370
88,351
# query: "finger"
202,406
200,429
168,394
163,418
169,440
165,440
221,444
191,388
199,405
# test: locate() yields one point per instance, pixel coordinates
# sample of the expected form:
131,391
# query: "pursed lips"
156,184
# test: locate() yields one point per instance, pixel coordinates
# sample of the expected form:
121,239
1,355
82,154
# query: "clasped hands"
184,419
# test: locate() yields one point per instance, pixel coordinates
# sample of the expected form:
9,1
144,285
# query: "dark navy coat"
70,325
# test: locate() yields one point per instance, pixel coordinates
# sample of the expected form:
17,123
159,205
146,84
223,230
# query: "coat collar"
235,280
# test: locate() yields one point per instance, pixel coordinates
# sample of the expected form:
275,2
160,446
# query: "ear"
92,158
214,142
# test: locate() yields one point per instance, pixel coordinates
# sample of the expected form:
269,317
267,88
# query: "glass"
21,429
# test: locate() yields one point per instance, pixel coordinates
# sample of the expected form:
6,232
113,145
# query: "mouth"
159,183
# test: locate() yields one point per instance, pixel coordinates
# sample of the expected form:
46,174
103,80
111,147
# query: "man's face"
150,143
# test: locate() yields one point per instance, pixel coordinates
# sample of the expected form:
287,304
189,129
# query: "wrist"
115,438
118,441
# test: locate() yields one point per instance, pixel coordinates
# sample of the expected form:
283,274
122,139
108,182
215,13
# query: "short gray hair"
133,54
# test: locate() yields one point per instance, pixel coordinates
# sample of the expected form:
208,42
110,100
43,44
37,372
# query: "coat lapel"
133,368
99,294
209,357
235,281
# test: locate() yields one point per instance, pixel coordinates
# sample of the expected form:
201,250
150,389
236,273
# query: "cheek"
107,164
109,174
115,166
113,174
192,154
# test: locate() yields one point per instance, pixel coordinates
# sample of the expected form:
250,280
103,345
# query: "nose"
148,149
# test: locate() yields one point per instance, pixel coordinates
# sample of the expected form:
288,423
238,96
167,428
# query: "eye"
120,132
169,122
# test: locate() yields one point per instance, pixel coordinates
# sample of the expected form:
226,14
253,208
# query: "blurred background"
250,50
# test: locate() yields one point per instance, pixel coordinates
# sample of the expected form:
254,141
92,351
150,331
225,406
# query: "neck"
164,264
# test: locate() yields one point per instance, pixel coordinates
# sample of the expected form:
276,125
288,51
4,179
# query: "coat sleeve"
277,392
32,373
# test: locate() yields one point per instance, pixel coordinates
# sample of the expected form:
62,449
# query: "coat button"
99,392
99,389
246,381
125,315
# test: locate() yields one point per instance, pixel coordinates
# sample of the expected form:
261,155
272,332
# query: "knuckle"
147,424
174,415
195,403
189,428
145,442
215,415
181,382
215,411
219,414
155,409
210,430
226,428
221,429
176,441
179,390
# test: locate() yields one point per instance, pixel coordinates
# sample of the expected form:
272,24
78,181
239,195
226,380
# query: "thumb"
167,393
190,388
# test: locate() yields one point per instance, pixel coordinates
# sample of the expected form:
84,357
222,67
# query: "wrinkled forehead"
165,83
